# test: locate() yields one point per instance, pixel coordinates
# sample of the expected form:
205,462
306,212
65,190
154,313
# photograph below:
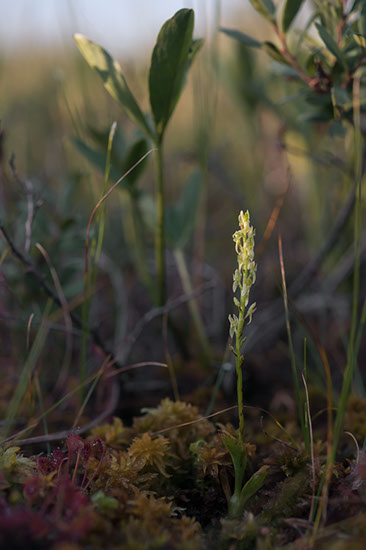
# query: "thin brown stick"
49,291
194,421
111,405
158,311
135,366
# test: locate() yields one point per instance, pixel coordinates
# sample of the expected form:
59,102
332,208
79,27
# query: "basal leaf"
253,485
290,10
169,63
265,8
330,43
241,37
114,81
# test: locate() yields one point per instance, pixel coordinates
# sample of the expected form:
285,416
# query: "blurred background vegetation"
246,130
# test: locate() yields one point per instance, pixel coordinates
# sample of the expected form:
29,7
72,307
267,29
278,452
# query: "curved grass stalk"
160,236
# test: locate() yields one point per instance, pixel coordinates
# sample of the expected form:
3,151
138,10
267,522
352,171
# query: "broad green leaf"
241,37
362,23
290,10
95,157
330,43
119,165
253,485
274,52
114,81
238,456
134,153
180,218
101,138
169,62
265,8
340,96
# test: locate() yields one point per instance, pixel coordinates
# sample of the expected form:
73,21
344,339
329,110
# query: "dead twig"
111,405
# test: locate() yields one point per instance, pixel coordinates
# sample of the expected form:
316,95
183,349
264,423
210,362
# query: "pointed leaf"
241,37
330,43
169,64
265,8
180,218
134,153
101,138
114,81
290,10
274,52
362,24
97,158
238,456
196,46
253,485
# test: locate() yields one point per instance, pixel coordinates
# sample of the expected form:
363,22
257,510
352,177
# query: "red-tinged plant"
21,527
83,450
63,509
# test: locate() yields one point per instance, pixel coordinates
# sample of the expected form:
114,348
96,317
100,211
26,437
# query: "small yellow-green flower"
245,274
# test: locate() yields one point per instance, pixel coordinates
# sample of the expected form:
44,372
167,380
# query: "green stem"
353,339
140,252
90,276
192,304
160,237
291,350
239,374
352,350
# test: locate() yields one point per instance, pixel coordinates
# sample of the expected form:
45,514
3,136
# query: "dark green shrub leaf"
274,52
119,165
133,155
362,23
114,81
330,43
241,37
169,63
97,158
180,218
265,8
290,10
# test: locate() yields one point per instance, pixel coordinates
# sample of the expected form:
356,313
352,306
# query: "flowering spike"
244,277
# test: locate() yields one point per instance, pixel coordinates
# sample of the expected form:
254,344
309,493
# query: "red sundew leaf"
58,456
86,453
99,443
74,443
70,496
45,465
